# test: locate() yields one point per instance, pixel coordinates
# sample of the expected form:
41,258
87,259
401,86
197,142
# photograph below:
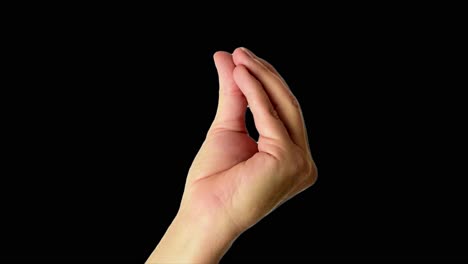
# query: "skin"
234,181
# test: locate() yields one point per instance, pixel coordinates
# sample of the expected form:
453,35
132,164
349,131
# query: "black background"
107,111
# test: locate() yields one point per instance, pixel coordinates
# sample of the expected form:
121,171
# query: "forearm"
190,240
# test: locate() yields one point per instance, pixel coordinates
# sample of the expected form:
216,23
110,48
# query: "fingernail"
248,52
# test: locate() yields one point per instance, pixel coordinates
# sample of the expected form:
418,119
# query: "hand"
234,181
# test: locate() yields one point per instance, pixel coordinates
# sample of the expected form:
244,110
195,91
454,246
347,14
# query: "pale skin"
235,181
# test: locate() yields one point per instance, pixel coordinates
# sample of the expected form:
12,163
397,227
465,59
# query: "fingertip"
216,55
239,72
220,54
244,50
244,79
247,51
224,64
240,56
237,50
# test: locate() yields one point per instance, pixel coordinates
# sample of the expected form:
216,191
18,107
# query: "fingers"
232,103
277,90
266,119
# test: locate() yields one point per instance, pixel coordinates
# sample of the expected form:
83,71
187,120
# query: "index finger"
284,102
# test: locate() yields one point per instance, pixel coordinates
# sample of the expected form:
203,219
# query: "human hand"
234,181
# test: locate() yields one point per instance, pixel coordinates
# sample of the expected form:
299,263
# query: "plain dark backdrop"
108,116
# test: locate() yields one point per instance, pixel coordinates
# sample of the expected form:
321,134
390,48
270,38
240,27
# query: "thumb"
232,104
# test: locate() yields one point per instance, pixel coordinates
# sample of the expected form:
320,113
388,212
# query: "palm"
227,149
216,166
228,169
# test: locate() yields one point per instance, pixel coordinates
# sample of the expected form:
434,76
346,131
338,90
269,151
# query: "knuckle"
305,168
312,174
274,113
293,101
299,163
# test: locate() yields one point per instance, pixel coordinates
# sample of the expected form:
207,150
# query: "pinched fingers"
282,99
266,118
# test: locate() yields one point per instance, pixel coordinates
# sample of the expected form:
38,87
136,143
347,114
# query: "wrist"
192,238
